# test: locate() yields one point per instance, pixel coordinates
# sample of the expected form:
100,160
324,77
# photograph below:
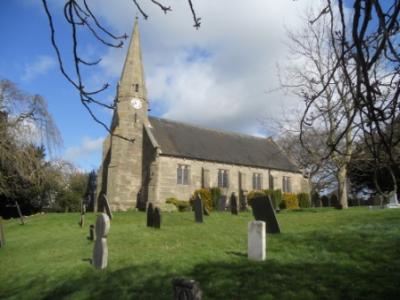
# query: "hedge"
304,200
290,201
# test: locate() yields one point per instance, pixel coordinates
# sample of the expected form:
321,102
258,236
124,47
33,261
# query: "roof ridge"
267,139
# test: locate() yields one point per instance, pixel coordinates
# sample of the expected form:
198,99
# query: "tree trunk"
342,186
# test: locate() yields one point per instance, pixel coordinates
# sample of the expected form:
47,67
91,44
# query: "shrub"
334,200
290,201
304,200
205,195
180,204
316,201
215,195
277,198
252,194
325,201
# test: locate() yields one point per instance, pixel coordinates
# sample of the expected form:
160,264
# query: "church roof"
194,142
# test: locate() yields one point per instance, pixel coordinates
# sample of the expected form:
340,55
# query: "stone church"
149,159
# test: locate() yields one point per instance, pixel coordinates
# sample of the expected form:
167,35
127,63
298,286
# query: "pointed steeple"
132,83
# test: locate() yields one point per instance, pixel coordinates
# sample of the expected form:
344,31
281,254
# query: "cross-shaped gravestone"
264,211
198,209
234,204
150,215
100,249
157,218
2,236
186,289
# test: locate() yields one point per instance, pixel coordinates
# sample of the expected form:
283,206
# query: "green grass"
320,254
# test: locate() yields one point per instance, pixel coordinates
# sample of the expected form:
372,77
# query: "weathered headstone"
234,204
157,218
21,217
264,211
91,232
256,241
107,206
222,203
186,289
2,236
198,209
100,249
150,215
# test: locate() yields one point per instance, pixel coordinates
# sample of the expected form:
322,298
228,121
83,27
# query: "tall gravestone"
263,210
234,204
2,235
243,200
256,241
157,218
83,212
186,289
100,249
21,217
198,209
150,215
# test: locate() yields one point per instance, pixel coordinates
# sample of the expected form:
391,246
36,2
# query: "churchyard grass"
320,254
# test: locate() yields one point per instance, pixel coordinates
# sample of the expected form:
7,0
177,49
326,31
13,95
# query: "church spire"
132,83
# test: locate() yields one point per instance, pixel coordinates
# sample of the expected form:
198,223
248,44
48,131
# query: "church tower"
124,165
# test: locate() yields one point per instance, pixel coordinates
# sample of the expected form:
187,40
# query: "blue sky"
216,77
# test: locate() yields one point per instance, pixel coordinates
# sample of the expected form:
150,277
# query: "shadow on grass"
369,271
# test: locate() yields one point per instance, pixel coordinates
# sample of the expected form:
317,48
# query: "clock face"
136,103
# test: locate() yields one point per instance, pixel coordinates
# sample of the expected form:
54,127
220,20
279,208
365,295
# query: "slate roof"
194,142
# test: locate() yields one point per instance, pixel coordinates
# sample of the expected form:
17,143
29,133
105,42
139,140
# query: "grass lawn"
320,254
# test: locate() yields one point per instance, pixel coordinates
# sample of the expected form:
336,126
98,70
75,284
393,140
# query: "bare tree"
79,15
366,57
311,58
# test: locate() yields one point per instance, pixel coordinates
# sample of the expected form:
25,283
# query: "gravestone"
107,206
150,215
21,217
100,249
243,201
234,204
83,211
2,236
91,233
264,211
186,289
198,209
256,241
157,218
393,202
222,203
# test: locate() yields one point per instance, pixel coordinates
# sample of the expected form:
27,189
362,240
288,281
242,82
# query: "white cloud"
216,76
41,66
88,147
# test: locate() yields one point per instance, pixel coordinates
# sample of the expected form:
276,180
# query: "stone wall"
168,187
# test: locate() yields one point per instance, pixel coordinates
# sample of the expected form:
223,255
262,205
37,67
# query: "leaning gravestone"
21,217
150,215
100,249
264,211
256,241
186,289
198,209
157,218
91,233
2,236
107,206
234,204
